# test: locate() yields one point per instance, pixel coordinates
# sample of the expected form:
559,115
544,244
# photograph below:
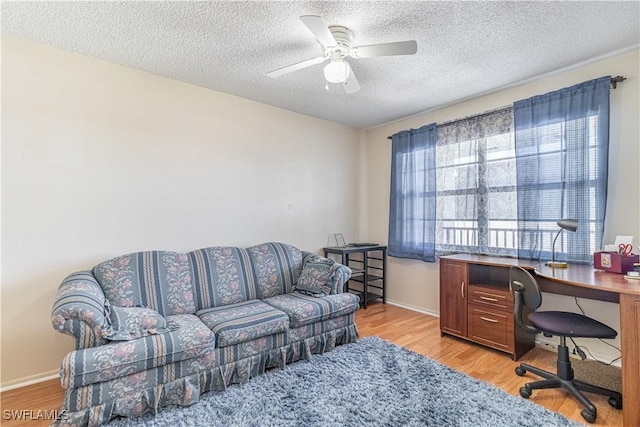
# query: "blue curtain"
412,212
562,144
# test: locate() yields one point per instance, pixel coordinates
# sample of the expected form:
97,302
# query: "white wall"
100,160
415,283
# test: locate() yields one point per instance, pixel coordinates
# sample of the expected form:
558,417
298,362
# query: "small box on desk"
614,262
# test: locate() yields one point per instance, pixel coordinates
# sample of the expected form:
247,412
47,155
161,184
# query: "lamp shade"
337,71
568,224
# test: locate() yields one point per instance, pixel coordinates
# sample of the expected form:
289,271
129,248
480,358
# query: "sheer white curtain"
476,180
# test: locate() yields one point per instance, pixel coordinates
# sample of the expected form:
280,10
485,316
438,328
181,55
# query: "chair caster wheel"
519,371
588,416
616,403
525,392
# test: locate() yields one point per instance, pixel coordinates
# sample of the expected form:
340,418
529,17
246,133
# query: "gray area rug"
371,382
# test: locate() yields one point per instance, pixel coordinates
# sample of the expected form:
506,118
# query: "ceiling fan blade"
295,67
351,85
408,47
316,25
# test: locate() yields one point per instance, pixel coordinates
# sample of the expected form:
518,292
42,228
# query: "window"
497,183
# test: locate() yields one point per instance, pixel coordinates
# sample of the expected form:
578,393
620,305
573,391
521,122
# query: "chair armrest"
79,310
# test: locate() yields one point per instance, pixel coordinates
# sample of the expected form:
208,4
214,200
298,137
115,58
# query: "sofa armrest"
340,278
79,310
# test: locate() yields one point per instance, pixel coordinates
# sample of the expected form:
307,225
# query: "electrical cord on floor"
578,349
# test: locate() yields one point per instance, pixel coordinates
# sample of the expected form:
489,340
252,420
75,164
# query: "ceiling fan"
336,46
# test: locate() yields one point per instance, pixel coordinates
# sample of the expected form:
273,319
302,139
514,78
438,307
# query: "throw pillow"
313,291
127,323
316,276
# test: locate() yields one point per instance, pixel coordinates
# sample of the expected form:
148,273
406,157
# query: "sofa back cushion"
222,276
276,267
159,280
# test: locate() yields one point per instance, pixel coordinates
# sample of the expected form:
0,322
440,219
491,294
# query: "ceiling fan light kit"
336,46
337,71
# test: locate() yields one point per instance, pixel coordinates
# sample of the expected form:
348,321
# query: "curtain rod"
614,84
617,79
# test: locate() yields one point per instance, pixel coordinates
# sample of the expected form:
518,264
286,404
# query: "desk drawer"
491,297
493,328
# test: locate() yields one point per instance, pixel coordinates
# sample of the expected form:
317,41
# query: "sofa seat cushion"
306,309
243,321
190,339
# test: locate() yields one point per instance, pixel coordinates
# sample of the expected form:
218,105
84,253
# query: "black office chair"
526,292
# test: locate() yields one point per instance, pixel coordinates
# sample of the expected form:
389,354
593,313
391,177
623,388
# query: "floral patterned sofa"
158,328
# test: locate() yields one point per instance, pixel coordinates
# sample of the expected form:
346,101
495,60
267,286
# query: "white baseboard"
30,380
413,308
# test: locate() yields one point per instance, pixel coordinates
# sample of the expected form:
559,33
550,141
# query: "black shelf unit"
368,265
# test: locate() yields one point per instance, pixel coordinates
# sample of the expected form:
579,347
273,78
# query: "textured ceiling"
464,48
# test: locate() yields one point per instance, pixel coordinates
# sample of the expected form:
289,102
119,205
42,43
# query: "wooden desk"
586,282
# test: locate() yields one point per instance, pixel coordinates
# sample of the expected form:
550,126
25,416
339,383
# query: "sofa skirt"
182,383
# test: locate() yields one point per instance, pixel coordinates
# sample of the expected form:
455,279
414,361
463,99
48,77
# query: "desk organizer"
614,262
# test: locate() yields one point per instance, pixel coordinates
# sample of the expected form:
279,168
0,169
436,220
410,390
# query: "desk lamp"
564,224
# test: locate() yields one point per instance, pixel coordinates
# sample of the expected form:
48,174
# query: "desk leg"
630,341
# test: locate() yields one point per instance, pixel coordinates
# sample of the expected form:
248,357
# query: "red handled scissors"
625,248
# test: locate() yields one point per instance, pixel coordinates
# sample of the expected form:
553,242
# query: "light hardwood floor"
414,331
